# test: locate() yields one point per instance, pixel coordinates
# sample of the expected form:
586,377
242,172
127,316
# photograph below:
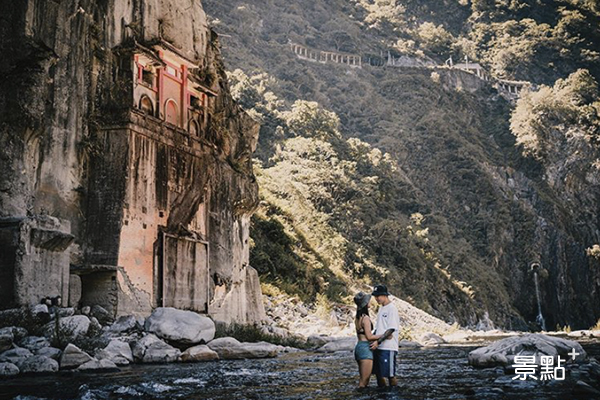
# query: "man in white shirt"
384,353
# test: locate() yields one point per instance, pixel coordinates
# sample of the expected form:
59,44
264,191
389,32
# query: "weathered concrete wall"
72,148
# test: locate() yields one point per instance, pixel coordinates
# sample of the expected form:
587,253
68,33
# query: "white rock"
73,357
34,343
230,348
502,352
8,369
199,353
409,344
150,349
69,328
15,355
98,365
457,337
95,325
340,344
40,309
38,364
186,327
430,339
117,351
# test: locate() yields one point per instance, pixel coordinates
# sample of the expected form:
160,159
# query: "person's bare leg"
381,382
364,368
394,381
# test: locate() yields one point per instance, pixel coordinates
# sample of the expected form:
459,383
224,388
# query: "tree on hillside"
308,119
553,122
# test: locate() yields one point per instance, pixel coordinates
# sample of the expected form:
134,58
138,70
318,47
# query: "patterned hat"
362,299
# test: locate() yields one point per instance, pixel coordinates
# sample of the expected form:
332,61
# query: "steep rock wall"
76,147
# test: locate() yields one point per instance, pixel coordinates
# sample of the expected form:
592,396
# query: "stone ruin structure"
324,57
126,166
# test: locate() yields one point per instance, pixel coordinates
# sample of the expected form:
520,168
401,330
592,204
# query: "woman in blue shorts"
362,351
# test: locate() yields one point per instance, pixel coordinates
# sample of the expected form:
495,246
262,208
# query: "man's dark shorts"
384,363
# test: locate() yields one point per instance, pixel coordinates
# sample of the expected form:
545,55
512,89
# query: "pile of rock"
54,339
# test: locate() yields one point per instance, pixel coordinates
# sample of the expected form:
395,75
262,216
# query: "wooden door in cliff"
183,273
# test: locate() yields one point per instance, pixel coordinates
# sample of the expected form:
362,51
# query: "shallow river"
435,373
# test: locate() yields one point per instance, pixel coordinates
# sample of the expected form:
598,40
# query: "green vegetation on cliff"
394,175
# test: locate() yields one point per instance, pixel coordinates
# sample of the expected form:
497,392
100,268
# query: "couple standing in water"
376,351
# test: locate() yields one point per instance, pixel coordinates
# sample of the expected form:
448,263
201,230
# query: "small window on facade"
172,71
193,128
146,105
195,102
148,77
171,114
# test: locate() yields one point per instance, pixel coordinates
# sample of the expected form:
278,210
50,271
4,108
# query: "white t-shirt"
387,318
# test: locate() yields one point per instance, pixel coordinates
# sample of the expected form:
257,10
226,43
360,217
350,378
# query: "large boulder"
117,351
34,343
6,339
8,369
15,355
102,315
68,329
50,352
38,364
341,344
179,326
199,353
94,365
229,348
18,332
503,352
318,340
405,343
73,357
125,323
150,349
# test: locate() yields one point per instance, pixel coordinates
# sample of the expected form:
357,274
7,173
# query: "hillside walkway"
507,88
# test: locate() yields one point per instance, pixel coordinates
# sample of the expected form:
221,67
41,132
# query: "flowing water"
433,373
540,317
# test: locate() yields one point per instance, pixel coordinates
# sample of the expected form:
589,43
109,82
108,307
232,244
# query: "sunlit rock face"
118,125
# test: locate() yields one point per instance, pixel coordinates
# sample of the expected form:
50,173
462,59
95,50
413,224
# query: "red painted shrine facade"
164,88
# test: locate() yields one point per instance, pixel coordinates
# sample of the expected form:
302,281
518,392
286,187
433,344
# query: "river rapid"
427,373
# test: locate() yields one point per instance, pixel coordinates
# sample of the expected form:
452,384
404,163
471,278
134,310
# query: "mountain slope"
455,223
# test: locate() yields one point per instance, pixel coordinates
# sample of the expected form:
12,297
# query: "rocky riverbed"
174,354
425,373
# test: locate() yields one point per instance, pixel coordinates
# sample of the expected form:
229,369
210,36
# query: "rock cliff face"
124,159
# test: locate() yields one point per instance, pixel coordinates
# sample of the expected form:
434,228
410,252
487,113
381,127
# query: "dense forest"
397,175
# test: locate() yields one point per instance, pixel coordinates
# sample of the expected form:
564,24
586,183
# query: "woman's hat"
380,290
362,299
